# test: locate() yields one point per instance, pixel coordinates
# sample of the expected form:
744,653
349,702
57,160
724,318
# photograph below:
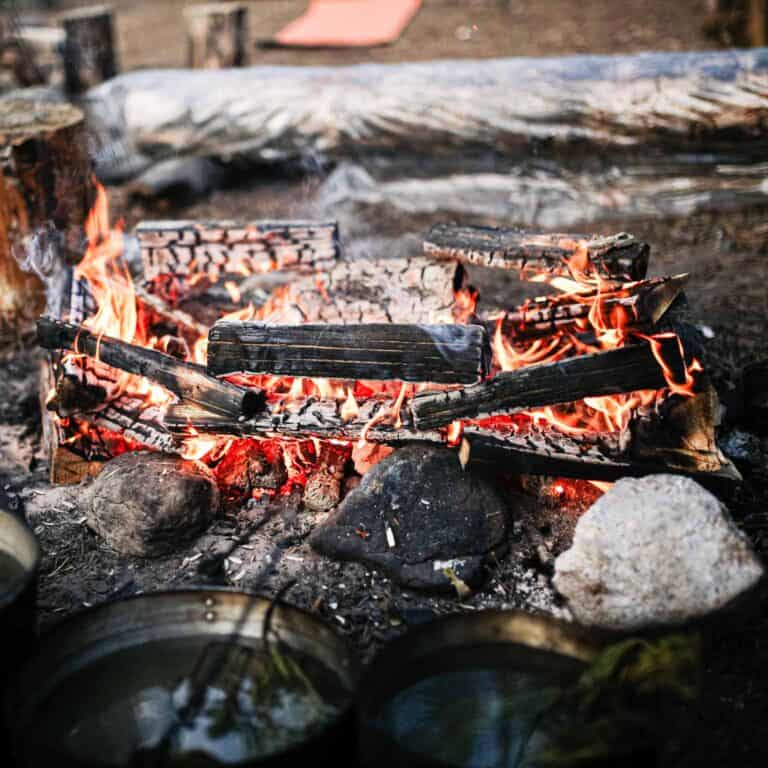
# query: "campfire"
261,340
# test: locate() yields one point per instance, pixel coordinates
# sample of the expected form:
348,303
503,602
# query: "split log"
213,249
626,369
89,47
444,354
45,155
217,35
396,290
186,380
641,304
617,256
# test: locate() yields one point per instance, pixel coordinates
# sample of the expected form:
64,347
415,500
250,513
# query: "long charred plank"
444,354
626,369
617,256
641,305
190,382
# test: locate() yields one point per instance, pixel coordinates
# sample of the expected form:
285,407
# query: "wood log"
626,369
444,354
89,47
615,256
642,304
186,380
396,290
214,249
217,35
44,147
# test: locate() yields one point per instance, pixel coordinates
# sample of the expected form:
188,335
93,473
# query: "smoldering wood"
393,290
44,150
444,354
173,315
641,304
188,381
213,249
620,255
89,47
626,369
217,35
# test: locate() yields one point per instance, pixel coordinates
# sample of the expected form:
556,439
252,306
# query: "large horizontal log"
444,354
641,305
213,249
187,381
531,254
626,369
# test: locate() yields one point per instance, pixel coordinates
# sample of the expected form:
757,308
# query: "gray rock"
659,550
147,504
416,514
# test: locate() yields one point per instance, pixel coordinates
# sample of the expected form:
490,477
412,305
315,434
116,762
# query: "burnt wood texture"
626,369
616,256
444,354
188,381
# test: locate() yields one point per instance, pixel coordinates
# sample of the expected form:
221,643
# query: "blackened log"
89,47
444,354
641,305
212,249
626,369
616,256
190,382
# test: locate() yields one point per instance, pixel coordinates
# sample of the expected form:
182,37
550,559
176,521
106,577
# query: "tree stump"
89,47
47,184
217,35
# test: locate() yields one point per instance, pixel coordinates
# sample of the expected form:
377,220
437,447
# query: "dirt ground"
725,252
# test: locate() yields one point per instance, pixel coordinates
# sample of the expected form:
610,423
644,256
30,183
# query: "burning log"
641,304
217,35
617,256
626,369
444,354
186,380
89,47
186,248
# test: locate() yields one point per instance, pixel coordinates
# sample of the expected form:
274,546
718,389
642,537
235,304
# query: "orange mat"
348,23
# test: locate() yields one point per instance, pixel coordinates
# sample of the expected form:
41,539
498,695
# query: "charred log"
89,47
445,354
617,256
626,369
187,381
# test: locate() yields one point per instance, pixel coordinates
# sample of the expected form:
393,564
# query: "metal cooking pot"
127,651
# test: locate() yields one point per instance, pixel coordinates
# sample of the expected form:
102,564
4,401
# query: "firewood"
190,382
642,304
626,369
89,47
185,248
618,256
217,35
182,319
445,354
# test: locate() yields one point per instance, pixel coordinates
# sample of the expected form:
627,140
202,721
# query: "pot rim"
30,572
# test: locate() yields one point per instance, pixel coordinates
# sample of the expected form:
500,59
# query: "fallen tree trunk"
187,381
714,100
444,354
626,369
615,256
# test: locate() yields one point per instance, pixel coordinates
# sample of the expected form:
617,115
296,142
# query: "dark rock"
418,516
743,448
146,504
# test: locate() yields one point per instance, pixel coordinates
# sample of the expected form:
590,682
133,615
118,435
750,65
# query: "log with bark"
444,354
615,256
641,305
213,249
188,381
626,369
217,35
89,47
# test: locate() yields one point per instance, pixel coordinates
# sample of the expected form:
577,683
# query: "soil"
262,549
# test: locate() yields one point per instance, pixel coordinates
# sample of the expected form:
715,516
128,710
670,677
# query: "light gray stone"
659,550
147,504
